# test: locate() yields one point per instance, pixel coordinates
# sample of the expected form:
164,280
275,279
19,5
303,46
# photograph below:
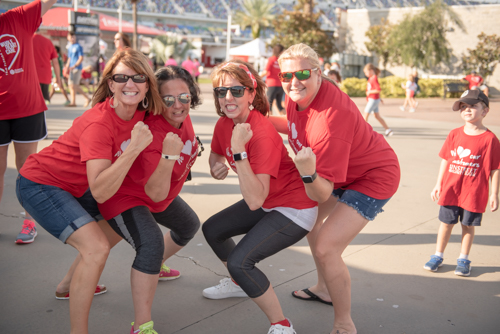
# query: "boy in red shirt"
476,82
471,156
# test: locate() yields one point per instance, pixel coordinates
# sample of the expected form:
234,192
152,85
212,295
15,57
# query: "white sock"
441,255
464,256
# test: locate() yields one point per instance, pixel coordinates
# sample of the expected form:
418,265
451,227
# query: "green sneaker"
146,328
67,103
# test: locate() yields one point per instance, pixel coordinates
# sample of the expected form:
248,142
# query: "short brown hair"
138,62
260,101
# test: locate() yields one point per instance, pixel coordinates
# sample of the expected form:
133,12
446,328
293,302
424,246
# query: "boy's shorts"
449,214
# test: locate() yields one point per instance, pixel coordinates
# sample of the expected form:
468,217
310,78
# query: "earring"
112,102
145,105
250,107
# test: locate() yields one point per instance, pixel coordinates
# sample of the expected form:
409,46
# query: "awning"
57,19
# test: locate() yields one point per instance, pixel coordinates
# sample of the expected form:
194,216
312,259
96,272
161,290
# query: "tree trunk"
134,17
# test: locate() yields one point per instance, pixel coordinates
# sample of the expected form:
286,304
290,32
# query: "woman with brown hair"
275,211
61,185
122,41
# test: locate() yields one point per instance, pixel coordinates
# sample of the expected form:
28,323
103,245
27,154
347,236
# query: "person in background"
58,82
188,65
45,59
274,90
410,90
87,79
196,69
170,61
464,172
327,67
373,96
74,69
476,82
122,41
22,106
335,76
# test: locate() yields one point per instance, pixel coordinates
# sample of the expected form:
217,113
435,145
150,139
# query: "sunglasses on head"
183,98
137,78
300,75
236,91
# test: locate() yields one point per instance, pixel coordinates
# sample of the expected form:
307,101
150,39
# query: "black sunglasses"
236,91
137,78
300,75
183,98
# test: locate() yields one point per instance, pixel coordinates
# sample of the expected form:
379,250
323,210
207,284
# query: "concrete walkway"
391,293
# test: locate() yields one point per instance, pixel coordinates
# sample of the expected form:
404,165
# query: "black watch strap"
309,178
240,156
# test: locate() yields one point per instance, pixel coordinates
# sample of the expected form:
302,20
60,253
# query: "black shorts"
45,91
450,214
23,130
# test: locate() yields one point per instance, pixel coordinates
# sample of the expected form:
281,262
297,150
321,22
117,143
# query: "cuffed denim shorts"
56,210
372,105
366,206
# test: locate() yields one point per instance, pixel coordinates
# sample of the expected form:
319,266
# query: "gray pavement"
391,293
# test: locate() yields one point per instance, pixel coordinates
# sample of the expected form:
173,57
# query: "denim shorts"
450,214
366,206
56,210
372,105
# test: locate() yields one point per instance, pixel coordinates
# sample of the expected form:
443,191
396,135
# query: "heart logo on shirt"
462,153
9,50
294,131
188,146
124,145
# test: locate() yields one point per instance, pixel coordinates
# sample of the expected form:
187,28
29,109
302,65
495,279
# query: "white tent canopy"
256,51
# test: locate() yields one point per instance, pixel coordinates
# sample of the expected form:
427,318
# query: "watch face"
307,179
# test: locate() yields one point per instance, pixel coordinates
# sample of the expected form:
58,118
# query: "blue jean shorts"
366,206
372,105
56,210
450,214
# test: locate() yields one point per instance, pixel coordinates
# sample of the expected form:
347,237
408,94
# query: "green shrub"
354,87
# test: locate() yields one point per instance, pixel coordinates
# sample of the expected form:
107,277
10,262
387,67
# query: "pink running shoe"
99,290
28,233
167,274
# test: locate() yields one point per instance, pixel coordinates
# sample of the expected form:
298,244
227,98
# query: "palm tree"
257,15
134,18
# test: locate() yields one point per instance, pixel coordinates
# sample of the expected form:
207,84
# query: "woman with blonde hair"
61,185
275,211
346,167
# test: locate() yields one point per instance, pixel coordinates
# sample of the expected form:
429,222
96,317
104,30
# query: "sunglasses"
236,91
137,78
183,98
300,75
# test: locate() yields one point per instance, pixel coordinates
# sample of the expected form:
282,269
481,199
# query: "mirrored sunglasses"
137,78
300,75
183,98
236,91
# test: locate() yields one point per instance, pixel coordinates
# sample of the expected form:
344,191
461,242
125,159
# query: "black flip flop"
313,296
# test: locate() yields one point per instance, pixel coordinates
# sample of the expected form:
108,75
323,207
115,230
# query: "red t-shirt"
86,75
471,160
188,66
98,134
273,69
131,193
348,152
474,81
267,155
373,84
20,93
45,52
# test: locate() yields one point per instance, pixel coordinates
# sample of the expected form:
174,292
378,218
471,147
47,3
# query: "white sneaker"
278,329
225,289
412,110
402,108
388,132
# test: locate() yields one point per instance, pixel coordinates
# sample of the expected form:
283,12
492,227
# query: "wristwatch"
170,157
309,178
240,156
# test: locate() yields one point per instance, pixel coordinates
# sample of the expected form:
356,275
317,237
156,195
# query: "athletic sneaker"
67,103
402,108
146,328
463,267
99,290
434,263
388,132
28,233
225,289
412,109
167,274
279,329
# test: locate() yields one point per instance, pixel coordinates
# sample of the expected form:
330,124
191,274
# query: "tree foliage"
378,43
164,46
484,57
302,26
257,16
420,40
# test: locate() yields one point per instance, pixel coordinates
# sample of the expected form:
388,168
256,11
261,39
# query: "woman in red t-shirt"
60,185
373,96
275,211
347,167
274,89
